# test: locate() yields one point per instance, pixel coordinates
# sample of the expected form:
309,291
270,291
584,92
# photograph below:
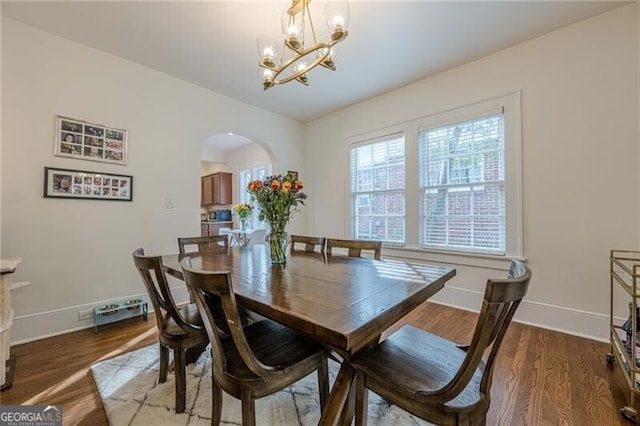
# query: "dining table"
344,303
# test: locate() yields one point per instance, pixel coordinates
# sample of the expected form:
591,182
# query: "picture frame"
87,141
293,174
86,185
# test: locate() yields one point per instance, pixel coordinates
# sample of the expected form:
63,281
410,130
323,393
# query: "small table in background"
241,237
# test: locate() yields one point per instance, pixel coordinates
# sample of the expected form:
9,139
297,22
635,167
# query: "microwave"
220,216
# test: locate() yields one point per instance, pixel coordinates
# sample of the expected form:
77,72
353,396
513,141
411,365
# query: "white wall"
210,167
77,253
246,157
580,157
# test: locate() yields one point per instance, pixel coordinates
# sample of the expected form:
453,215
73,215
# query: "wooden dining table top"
343,302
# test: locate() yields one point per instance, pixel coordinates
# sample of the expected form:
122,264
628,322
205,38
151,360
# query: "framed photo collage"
94,142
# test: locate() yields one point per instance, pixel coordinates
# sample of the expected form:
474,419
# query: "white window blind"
378,189
462,184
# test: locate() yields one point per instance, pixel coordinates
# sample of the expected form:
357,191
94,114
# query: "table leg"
340,398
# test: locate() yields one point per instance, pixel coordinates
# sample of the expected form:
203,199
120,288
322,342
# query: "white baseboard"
27,328
576,322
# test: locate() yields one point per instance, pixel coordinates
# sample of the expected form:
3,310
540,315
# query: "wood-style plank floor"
542,377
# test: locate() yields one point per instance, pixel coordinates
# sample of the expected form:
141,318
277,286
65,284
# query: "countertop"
214,222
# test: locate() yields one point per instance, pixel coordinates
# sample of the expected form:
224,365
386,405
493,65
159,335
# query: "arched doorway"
242,157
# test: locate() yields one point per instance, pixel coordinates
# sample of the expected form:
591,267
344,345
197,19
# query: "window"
443,186
377,189
258,172
462,185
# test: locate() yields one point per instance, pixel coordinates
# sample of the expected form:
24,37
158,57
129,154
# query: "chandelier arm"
313,30
296,6
297,74
295,49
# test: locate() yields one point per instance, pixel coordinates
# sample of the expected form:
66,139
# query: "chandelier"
300,52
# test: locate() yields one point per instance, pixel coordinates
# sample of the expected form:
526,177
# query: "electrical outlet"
168,202
87,314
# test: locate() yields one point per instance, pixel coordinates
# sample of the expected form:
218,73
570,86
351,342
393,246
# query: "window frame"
245,197
510,104
379,138
451,186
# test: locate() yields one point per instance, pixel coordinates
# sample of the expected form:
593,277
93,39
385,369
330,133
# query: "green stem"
277,245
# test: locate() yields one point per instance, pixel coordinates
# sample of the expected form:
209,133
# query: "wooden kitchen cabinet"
216,189
207,191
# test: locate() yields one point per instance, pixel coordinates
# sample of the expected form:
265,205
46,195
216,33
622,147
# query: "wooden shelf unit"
625,274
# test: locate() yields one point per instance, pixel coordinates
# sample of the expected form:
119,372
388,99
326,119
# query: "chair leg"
323,382
248,408
362,400
164,363
181,379
216,401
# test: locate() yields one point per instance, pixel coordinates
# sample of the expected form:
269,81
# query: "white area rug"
131,394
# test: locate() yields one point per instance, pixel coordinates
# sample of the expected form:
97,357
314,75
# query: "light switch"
168,202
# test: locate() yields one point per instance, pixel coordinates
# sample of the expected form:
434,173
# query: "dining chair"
355,247
258,360
179,329
257,237
213,243
310,243
435,379
230,238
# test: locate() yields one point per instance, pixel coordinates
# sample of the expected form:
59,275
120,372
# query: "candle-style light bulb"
301,66
267,79
337,13
267,51
293,29
337,22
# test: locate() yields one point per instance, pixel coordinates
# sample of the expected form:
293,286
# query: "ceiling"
213,44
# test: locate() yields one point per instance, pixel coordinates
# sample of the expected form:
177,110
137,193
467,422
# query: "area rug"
129,389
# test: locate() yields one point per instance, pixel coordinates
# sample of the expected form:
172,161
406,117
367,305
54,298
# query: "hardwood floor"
55,371
541,377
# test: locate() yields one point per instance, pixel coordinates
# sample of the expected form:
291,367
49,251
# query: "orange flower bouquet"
278,198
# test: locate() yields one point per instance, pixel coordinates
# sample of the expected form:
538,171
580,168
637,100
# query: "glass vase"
243,224
277,244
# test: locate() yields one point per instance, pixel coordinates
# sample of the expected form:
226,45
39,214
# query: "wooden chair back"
214,243
355,247
501,299
155,281
432,377
236,365
206,286
179,329
310,243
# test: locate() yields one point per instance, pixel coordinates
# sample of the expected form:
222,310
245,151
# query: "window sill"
478,260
